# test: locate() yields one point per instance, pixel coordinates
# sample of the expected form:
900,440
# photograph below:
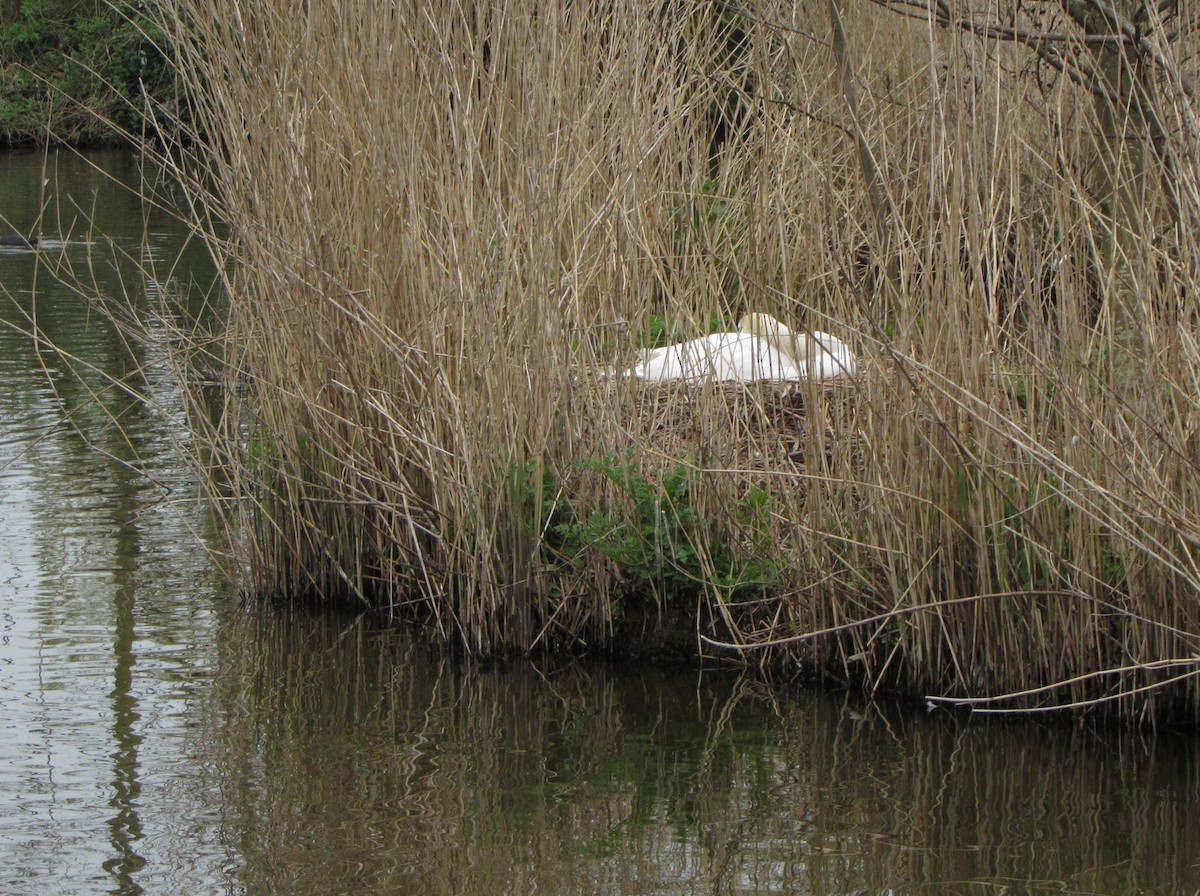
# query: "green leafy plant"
656,538
73,71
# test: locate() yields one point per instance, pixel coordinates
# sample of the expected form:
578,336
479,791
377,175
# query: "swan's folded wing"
833,358
726,357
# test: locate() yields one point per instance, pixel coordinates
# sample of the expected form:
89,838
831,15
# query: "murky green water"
158,736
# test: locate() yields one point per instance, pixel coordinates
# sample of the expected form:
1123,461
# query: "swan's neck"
777,334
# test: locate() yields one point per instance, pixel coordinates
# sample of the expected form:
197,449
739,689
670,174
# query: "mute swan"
762,348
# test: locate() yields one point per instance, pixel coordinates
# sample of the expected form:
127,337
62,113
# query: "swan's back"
726,357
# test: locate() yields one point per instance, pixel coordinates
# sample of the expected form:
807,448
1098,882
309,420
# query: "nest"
761,426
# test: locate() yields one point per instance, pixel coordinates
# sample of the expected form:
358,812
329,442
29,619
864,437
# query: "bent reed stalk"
447,224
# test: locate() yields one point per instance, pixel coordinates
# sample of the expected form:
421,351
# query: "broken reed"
447,221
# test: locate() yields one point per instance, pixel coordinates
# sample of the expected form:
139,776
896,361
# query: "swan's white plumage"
761,349
741,357
828,357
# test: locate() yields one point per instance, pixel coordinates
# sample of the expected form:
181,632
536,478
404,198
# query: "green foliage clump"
655,536
72,70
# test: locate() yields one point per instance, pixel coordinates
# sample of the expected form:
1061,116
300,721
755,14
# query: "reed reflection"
356,757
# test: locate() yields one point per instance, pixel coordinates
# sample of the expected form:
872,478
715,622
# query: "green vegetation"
654,535
72,70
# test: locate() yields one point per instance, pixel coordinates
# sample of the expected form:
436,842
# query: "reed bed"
449,226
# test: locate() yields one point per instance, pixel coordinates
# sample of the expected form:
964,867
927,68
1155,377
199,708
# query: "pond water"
158,733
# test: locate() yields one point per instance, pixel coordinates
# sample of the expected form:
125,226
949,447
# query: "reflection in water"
158,736
354,758
124,826
103,592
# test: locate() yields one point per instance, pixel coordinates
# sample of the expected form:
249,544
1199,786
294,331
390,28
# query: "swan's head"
766,327
759,324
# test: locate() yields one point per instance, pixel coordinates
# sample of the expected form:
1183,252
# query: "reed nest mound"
743,427
749,430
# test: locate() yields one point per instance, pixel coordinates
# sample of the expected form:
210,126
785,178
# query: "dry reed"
446,221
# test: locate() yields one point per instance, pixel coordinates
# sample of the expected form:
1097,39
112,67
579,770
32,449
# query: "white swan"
762,348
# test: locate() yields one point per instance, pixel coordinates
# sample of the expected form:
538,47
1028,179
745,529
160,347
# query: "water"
157,735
